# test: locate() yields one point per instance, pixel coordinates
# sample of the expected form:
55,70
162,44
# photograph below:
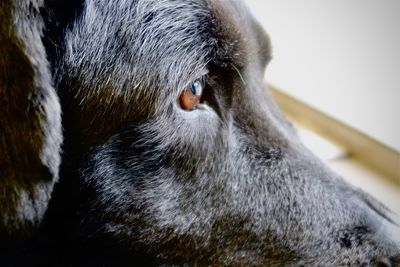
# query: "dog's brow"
154,44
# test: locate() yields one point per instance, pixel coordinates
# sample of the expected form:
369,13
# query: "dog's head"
174,149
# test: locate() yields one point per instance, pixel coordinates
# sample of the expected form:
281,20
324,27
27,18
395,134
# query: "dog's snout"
393,261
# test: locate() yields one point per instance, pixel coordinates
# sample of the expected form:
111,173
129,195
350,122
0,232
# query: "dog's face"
224,181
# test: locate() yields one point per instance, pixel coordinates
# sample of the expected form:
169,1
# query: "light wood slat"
360,146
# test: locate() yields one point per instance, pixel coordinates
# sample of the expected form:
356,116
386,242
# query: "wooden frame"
359,146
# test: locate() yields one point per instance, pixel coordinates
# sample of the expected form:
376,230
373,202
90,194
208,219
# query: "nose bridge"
256,111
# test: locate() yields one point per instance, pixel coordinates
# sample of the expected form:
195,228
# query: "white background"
340,56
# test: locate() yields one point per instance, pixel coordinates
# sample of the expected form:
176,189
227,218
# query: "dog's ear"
30,121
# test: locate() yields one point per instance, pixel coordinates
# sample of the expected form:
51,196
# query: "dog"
139,133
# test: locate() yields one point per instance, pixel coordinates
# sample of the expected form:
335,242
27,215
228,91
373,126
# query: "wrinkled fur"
143,182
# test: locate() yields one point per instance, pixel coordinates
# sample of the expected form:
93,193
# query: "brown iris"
190,97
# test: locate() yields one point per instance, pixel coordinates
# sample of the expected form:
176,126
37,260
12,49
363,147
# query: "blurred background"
336,73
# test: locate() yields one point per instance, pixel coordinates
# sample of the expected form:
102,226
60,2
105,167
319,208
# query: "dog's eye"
190,97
